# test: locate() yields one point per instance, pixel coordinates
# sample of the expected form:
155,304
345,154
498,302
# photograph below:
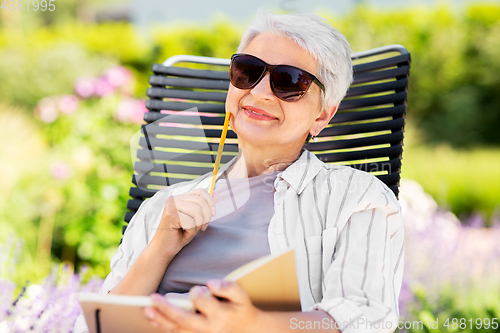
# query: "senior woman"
287,80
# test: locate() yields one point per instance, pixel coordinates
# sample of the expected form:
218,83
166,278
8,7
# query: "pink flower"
117,76
67,104
103,87
130,111
138,111
85,87
60,170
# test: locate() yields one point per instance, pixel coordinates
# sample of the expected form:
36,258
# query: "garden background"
72,95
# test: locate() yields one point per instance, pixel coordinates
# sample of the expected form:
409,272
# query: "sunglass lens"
246,71
290,83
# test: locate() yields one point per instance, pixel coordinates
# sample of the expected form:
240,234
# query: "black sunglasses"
288,83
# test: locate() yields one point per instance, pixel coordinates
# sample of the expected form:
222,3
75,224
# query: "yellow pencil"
219,152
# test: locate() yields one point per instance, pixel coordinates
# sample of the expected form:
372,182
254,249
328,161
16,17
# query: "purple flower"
85,87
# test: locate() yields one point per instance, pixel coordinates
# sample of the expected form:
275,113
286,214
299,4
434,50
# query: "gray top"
236,235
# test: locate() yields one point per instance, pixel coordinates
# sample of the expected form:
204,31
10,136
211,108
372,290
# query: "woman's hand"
183,216
234,314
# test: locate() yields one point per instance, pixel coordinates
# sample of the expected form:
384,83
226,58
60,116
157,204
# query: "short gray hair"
326,44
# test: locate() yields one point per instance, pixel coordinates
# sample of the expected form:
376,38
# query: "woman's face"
284,124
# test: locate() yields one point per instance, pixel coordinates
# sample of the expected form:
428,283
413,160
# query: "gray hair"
326,44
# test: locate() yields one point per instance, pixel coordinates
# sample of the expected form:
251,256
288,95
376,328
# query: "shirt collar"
298,174
302,171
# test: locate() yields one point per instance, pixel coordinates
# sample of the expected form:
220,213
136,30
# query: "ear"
323,118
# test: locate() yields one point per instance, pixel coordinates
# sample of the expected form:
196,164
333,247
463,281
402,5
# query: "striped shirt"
346,229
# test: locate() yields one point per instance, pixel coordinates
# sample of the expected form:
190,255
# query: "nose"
263,91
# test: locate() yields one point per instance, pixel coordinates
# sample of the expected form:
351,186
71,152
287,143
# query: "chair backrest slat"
191,145
213,119
383,63
392,138
345,117
157,80
350,104
146,155
170,168
380,75
357,155
377,88
363,128
192,73
366,133
157,105
186,94
192,132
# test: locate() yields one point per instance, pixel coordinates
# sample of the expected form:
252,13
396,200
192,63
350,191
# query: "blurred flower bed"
67,172
451,271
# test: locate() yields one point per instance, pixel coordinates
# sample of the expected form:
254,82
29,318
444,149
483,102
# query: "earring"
314,138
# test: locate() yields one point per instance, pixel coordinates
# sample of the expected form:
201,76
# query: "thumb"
229,290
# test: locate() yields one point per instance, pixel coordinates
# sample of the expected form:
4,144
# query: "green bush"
454,78
455,69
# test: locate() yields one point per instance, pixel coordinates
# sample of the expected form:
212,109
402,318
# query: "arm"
363,281
145,275
182,217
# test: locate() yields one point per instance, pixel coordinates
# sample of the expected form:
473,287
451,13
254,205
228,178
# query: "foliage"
455,66
454,78
451,268
73,187
51,306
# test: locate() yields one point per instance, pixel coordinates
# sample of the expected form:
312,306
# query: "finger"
156,319
205,208
194,212
204,301
186,222
216,197
184,319
175,205
205,195
229,290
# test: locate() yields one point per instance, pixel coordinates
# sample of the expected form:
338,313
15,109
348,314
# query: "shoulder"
359,185
347,191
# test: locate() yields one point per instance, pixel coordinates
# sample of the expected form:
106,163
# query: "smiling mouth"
260,114
256,114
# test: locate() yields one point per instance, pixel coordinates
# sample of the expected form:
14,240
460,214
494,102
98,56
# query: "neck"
254,161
